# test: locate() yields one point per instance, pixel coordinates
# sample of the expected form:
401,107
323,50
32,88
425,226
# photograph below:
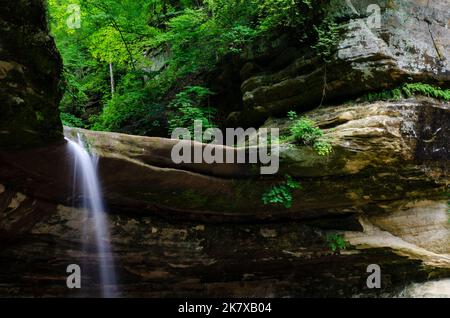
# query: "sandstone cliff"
203,230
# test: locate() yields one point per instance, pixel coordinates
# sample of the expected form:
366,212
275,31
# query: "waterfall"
86,176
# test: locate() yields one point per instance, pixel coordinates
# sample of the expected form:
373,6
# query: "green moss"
234,199
195,199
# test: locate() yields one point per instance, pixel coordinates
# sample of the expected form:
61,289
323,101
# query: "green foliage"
323,147
336,243
276,14
195,34
199,36
408,90
426,90
189,38
395,94
71,121
292,115
232,12
186,109
328,35
113,33
237,38
304,130
130,110
281,194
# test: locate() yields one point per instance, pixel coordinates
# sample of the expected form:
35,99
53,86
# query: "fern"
410,90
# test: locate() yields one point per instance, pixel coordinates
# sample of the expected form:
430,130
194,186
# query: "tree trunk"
111,75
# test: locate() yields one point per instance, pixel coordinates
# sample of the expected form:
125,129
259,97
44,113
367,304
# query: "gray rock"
412,43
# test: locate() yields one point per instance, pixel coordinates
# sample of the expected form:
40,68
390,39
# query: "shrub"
426,90
323,147
327,38
71,121
275,14
131,110
186,109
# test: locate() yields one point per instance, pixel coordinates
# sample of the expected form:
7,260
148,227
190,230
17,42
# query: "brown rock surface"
183,230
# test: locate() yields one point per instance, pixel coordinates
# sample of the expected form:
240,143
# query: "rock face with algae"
30,69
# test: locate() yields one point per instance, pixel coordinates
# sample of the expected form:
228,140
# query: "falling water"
85,173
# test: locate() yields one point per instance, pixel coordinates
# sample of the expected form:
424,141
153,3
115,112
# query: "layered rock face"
408,41
167,258
203,230
382,187
30,68
381,151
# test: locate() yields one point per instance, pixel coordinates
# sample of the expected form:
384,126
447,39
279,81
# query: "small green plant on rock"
323,147
281,193
306,131
336,243
327,38
426,90
292,115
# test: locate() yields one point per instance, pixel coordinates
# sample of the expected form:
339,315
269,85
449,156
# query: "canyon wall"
203,230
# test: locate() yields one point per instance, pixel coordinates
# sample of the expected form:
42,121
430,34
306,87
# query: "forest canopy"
129,65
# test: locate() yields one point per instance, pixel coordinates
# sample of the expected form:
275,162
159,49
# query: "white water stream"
85,174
